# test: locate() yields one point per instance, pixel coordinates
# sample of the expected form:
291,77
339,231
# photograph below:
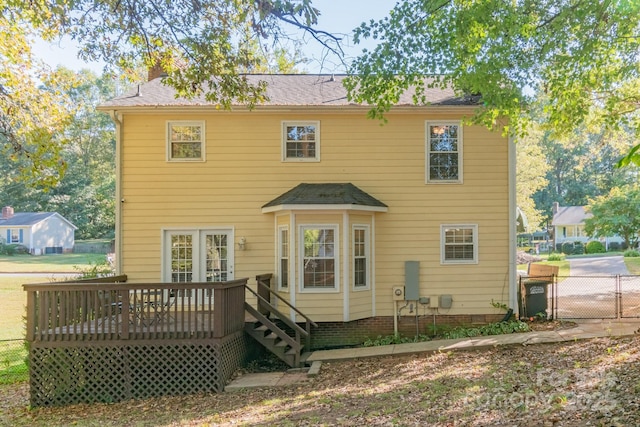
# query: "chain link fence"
13,361
595,297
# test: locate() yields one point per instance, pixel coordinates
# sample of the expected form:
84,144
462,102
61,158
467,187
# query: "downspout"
346,273
513,290
117,119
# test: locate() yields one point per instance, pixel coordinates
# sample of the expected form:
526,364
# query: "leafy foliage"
616,213
205,46
31,117
95,269
531,176
490,329
577,62
393,339
582,166
85,194
569,248
556,257
457,332
595,247
631,253
201,45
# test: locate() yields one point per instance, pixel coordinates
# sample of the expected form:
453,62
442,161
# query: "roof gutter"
342,109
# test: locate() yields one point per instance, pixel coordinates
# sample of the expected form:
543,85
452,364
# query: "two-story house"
368,227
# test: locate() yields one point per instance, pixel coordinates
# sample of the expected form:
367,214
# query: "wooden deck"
105,340
108,311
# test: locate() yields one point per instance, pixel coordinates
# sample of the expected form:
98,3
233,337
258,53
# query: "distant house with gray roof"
568,226
40,232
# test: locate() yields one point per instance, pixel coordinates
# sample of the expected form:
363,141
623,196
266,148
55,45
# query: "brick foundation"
340,334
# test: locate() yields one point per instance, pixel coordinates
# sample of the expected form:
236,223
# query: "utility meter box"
412,280
433,302
398,293
446,301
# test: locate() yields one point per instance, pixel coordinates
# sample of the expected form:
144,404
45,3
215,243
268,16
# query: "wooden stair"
276,340
287,346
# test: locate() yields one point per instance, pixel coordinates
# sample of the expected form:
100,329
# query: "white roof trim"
329,207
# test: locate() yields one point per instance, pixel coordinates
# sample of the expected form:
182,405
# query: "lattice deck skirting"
85,372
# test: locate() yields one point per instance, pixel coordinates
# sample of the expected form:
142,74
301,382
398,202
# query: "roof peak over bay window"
325,196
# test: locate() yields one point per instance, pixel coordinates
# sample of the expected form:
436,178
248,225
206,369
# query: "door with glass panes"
198,256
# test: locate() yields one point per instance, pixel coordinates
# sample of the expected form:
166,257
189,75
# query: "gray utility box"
412,280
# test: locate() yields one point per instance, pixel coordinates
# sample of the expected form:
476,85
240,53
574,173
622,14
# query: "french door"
198,255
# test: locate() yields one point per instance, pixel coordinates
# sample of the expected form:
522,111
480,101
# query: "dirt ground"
584,383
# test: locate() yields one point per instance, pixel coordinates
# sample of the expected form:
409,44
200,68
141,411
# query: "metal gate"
594,297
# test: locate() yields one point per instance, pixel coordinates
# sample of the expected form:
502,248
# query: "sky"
338,17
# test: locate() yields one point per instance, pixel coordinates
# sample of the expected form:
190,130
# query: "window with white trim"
360,257
185,141
459,244
16,235
444,152
319,254
301,141
283,257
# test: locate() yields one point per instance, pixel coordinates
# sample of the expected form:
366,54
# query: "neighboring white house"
40,232
568,226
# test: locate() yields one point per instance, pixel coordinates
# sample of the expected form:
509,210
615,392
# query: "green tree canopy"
85,194
531,170
616,213
578,59
202,45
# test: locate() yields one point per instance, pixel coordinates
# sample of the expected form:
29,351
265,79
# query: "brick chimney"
7,212
555,208
155,72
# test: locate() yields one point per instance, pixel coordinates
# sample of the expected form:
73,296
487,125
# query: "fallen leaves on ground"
583,383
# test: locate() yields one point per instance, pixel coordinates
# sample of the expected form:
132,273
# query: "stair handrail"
283,317
264,280
260,279
273,327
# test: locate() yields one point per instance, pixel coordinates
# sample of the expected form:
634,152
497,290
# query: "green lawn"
48,263
633,265
13,297
14,300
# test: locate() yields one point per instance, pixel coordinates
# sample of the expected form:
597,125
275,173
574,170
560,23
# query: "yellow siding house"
368,228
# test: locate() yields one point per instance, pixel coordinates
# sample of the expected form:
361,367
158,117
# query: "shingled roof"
570,215
334,195
22,219
282,90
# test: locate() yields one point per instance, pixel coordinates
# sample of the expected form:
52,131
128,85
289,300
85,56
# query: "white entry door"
198,255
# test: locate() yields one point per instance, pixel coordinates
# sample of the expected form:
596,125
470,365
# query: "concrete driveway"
598,266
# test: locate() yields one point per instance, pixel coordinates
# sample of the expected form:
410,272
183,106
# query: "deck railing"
109,309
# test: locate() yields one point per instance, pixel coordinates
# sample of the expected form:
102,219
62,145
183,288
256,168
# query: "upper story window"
444,152
459,244
301,141
185,141
319,266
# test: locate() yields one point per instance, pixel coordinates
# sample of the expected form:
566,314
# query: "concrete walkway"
585,329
